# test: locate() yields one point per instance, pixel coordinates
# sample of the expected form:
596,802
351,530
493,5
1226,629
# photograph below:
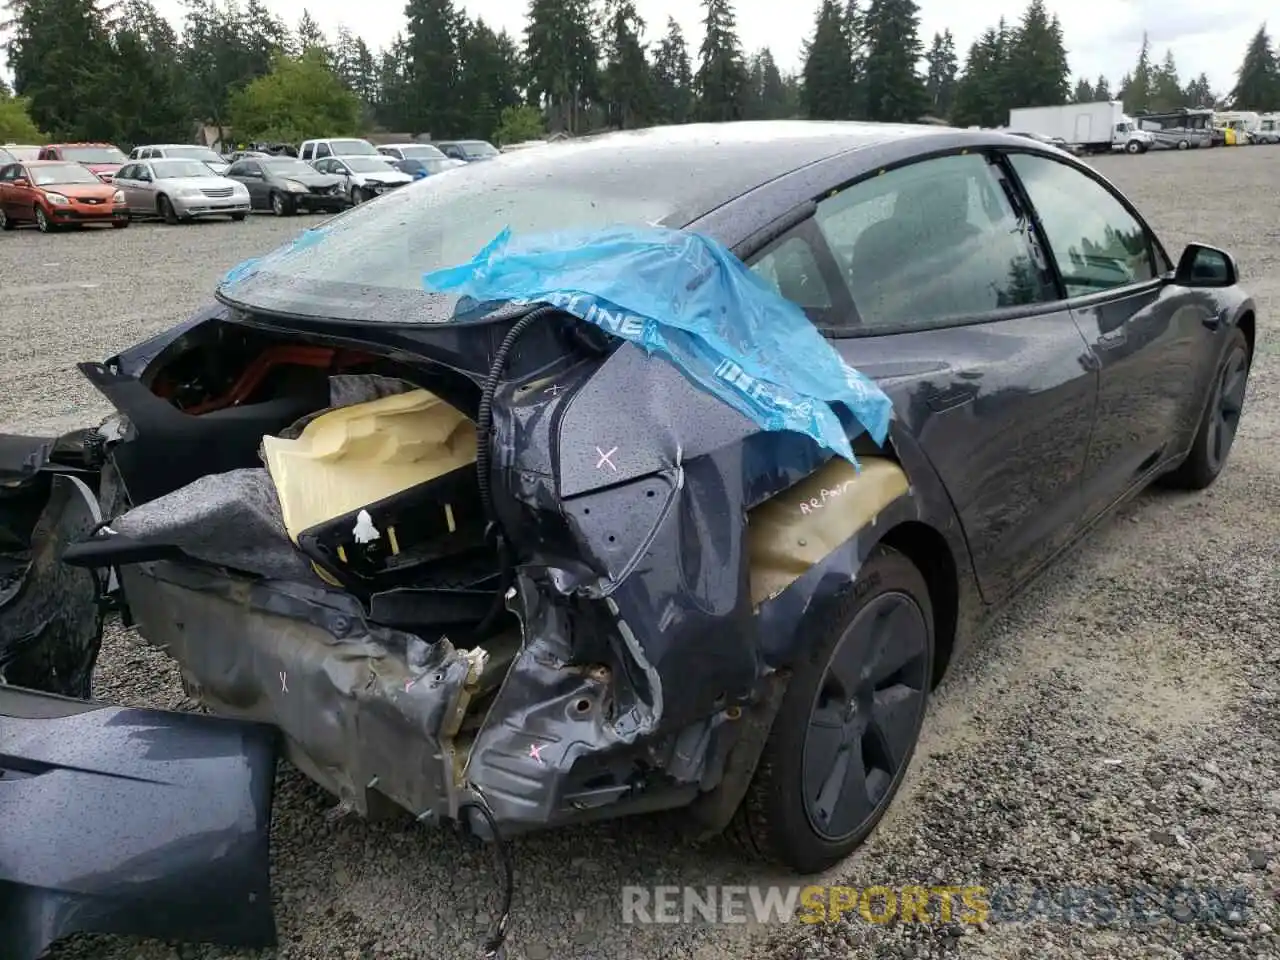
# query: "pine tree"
310,36
1102,89
940,81
561,58
721,79
1199,93
1036,61
827,90
1083,92
894,91
433,41
673,77
487,85
1258,79
62,61
627,80
149,96
1166,88
1135,91
981,97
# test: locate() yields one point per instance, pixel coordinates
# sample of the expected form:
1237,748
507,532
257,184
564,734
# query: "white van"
312,150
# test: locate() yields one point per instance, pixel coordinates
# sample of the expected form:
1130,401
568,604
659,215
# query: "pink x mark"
535,751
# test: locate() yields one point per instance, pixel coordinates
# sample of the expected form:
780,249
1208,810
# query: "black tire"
1133,146
1217,431
165,209
777,817
281,205
119,224
1184,145
6,223
43,223
237,217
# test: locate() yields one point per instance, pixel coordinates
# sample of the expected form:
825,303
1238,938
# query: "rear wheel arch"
1248,326
928,550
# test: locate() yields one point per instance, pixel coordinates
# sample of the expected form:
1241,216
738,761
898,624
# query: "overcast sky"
1102,36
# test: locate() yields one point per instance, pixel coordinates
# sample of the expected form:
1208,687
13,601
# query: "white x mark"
535,751
604,459
555,390
284,683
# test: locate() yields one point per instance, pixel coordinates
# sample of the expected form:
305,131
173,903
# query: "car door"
147,189
931,279
1146,336
23,193
124,182
8,173
251,174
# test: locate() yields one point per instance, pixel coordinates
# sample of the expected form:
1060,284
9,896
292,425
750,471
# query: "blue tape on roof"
688,299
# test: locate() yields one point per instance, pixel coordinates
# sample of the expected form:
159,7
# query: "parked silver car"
177,190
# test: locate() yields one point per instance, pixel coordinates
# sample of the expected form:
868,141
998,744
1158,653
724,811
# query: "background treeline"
86,70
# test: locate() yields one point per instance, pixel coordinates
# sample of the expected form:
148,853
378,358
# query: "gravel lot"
1119,727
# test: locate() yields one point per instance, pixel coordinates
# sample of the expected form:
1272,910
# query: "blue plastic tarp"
687,298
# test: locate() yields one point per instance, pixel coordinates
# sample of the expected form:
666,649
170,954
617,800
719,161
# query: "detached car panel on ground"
486,559
145,822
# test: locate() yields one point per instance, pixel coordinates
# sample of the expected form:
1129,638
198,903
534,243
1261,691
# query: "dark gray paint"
138,822
632,592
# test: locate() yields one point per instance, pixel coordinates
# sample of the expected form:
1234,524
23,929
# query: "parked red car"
104,159
53,193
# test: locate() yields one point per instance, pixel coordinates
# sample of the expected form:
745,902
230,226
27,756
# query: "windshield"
477,148
106,154
422,151
368,164
23,152
176,169
368,263
62,173
203,154
353,148
6,156
288,168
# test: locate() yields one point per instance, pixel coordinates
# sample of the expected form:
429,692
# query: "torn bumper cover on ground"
138,822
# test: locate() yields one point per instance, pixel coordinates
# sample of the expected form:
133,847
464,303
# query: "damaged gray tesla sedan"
496,558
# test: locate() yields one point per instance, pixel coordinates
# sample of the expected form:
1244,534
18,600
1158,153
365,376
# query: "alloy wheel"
863,722
1226,407
42,221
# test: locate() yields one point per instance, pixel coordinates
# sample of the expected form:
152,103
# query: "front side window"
1097,242
931,240
790,267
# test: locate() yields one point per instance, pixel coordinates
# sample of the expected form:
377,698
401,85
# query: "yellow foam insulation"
354,456
790,533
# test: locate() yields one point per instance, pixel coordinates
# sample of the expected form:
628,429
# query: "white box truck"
1093,127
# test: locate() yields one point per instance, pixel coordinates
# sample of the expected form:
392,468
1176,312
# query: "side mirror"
1205,266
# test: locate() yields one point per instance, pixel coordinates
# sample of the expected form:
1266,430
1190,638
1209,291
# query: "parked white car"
181,151
312,150
364,177
177,190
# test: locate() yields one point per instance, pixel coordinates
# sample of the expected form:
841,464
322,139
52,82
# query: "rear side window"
929,241
1096,241
322,150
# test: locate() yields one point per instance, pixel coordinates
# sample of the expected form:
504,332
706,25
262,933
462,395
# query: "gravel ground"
1118,728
